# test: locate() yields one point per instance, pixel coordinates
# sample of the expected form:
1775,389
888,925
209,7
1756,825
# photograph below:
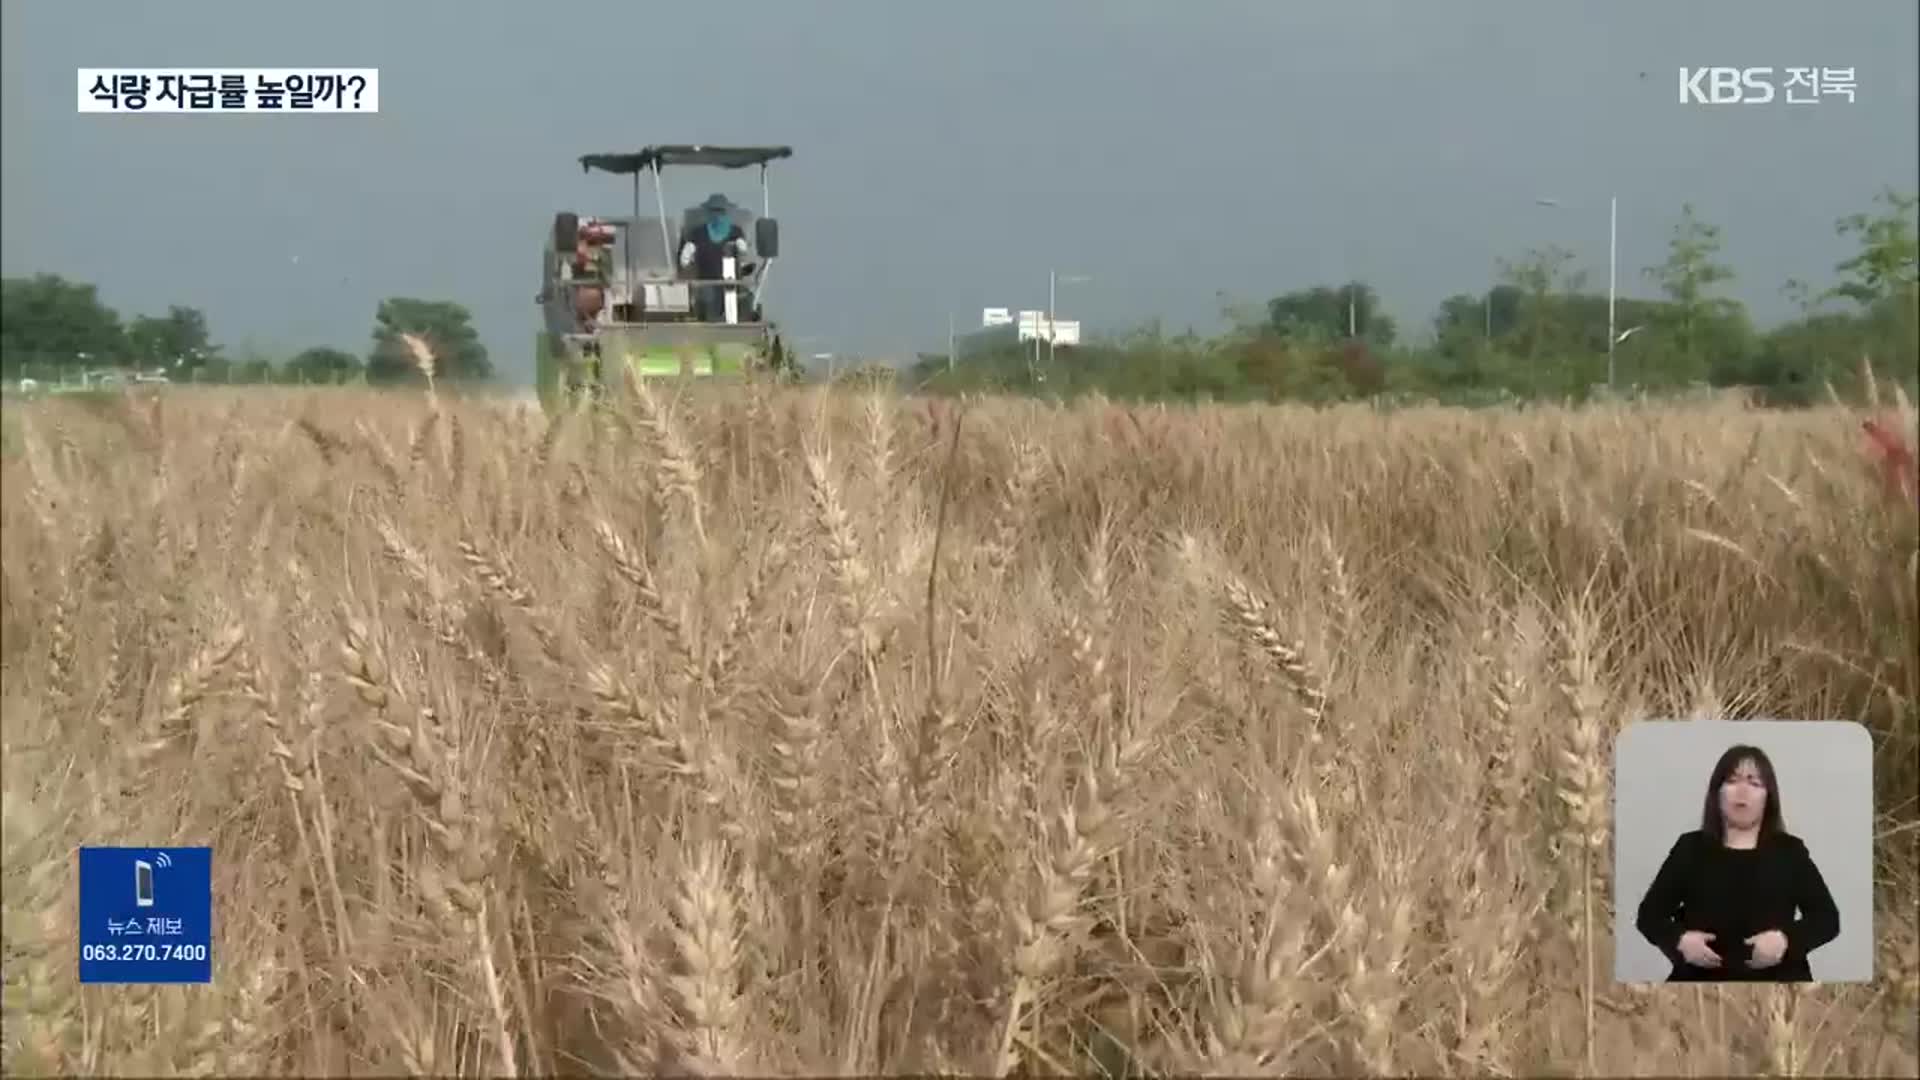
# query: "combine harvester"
614,292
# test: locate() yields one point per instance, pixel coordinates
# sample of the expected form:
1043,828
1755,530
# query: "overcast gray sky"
946,155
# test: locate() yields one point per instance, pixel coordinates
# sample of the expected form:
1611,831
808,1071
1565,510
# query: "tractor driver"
702,247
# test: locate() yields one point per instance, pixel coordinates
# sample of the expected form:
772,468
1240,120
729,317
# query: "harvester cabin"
625,269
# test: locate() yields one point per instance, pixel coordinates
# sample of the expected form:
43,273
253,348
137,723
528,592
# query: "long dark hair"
1772,820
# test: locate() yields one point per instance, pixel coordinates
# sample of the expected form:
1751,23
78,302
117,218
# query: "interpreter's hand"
1768,947
1696,951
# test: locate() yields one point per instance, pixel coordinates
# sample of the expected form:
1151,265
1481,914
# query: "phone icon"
142,883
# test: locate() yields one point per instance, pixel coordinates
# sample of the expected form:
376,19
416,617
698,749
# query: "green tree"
252,369
1539,275
177,340
1802,297
1484,317
1331,313
1884,279
447,328
1688,275
1884,268
323,365
1269,366
47,320
1794,361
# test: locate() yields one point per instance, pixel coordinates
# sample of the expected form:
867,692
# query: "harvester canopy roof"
721,157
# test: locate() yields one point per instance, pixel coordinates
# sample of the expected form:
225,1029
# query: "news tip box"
146,915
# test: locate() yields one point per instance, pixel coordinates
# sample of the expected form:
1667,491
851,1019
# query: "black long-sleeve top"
1735,893
703,253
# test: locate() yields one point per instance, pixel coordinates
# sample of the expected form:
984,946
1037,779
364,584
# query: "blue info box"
146,915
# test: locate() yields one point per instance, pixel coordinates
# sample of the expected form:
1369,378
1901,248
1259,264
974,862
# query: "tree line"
54,330
1540,331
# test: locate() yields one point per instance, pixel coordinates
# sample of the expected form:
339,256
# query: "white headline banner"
230,90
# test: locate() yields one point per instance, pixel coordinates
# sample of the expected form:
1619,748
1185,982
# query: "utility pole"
1052,287
1613,270
949,341
1054,279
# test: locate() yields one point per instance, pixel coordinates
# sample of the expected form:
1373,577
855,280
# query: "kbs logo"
1726,86
1757,86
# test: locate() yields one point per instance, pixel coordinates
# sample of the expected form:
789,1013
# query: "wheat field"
793,731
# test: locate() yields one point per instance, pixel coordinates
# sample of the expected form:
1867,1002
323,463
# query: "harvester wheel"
566,231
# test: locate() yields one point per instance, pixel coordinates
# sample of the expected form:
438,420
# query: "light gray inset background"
1825,772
